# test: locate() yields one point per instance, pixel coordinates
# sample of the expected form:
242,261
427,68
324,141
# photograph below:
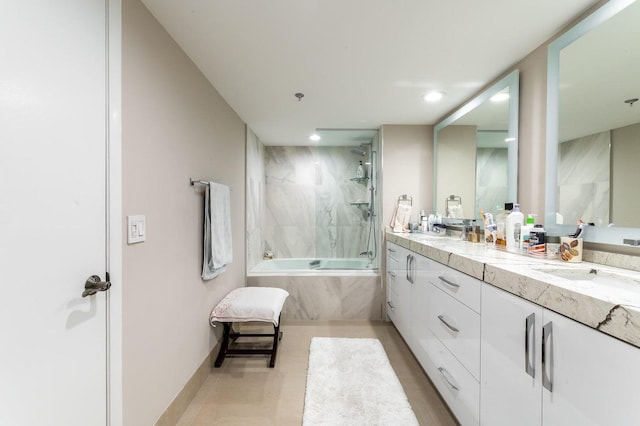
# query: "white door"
52,212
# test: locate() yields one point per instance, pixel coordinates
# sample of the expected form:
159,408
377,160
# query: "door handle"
529,336
94,284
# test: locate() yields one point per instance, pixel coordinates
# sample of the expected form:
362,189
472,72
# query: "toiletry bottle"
360,171
501,219
526,232
513,227
538,240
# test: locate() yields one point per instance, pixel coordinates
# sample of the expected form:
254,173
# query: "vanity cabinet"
399,283
453,347
511,373
541,368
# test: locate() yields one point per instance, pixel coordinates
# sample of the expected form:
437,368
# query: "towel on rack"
217,252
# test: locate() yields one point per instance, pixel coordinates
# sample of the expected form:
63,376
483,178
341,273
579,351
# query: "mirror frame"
603,235
511,80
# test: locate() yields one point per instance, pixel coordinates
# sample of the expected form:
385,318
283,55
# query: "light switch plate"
136,229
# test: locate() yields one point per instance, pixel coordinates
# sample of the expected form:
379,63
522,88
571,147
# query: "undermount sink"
591,275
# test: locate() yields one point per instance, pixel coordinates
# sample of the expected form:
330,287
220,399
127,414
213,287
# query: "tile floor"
245,392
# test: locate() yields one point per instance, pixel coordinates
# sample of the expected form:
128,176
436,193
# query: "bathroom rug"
351,382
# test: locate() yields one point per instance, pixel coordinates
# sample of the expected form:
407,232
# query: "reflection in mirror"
476,152
593,128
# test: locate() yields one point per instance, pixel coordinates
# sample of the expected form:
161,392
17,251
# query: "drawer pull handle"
391,306
393,274
449,326
391,250
547,356
448,378
448,282
529,337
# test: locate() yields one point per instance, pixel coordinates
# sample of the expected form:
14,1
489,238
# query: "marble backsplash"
309,193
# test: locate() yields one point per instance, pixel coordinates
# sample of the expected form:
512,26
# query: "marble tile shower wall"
255,209
583,179
491,172
308,195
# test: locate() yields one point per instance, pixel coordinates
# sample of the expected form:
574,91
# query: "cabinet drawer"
392,306
393,251
457,327
458,285
457,386
392,275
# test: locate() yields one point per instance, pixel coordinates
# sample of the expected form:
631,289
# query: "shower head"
358,151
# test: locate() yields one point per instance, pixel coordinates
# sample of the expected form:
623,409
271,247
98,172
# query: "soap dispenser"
360,171
513,227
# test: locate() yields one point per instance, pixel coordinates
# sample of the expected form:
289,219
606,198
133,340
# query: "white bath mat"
351,382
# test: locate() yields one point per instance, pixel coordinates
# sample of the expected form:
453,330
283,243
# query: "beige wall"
407,168
174,126
456,169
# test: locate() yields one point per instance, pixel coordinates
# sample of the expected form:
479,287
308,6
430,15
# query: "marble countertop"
603,297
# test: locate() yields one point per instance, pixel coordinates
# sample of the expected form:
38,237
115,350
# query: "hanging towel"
217,252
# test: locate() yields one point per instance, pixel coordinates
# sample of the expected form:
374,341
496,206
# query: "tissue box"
571,249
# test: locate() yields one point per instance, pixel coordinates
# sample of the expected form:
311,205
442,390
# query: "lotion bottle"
513,227
360,171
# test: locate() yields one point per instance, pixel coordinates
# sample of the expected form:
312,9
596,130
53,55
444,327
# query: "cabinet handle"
407,268
391,306
412,274
449,283
449,326
529,337
447,378
547,356
391,250
393,274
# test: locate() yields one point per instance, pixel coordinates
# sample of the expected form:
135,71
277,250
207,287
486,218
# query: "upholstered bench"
249,304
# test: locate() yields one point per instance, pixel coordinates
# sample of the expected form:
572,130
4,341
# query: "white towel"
217,251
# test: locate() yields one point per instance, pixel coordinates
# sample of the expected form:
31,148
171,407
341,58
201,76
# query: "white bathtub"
311,265
323,289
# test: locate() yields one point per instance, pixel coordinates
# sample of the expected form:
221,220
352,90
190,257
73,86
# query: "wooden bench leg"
224,345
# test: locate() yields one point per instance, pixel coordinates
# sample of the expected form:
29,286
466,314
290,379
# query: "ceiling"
359,63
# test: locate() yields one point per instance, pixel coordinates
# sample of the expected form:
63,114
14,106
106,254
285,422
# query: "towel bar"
193,181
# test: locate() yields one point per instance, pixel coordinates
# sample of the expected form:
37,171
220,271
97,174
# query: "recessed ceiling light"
499,97
315,137
433,96
510,139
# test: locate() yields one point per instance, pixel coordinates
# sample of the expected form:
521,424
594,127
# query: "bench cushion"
250,304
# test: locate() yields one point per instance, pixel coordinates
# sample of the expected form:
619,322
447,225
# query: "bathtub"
302,265
324,289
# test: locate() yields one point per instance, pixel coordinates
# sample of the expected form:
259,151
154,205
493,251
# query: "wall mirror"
593,126
476,152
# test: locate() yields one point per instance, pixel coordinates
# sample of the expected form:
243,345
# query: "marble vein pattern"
309,196
583,179
328,297
491,178
612,307
255,199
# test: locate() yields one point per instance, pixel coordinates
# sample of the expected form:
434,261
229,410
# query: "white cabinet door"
510,360
405,278
392,288
53,116
594,379
421,294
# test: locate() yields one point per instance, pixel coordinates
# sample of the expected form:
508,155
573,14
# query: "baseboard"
178,406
